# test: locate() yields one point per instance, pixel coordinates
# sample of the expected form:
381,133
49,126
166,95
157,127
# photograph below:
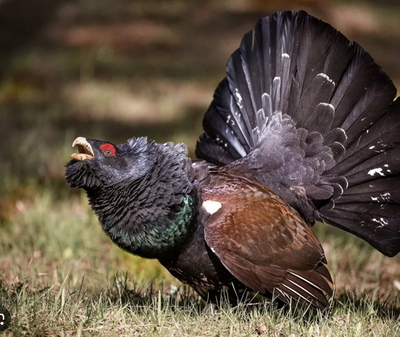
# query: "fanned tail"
310,114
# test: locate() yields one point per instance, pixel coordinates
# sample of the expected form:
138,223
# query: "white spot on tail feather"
211,206
376,170
381,221
328,104
239,99
383,198
327,78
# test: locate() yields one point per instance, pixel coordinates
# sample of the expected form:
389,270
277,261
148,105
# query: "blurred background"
113,69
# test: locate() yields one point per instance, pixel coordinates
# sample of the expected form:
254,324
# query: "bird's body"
304,128
257,235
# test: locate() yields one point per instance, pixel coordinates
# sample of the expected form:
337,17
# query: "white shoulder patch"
211,206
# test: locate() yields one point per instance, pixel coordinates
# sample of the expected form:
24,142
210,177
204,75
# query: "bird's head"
101,163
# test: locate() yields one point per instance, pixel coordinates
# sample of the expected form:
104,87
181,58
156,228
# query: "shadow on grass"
182,297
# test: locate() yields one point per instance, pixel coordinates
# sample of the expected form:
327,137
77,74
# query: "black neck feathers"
152,214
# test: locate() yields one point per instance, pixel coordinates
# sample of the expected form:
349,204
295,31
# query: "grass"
62,276
121,309
59,273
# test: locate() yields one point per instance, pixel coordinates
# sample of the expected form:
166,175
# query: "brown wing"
265,244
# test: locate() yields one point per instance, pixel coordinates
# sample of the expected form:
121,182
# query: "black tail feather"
377,225
310,114
376,140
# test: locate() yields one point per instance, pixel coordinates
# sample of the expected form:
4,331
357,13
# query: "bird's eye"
108,150
108,153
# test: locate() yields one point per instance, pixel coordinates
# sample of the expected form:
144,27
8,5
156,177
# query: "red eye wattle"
108,150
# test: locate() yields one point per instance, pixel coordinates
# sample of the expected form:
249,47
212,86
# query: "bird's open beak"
84,148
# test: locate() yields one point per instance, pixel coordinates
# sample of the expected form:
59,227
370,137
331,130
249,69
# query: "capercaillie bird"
303,128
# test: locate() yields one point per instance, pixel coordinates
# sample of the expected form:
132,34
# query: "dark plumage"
304,128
